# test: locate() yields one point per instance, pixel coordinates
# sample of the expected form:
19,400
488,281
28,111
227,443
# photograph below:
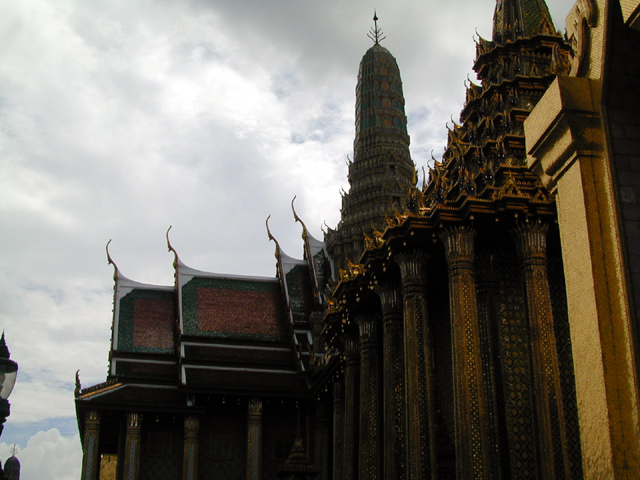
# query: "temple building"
483,324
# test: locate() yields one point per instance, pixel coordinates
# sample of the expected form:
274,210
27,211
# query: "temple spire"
521,18
381,172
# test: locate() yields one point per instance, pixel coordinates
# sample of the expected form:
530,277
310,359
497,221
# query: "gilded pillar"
338,430
322,456
351,406
132,447
254,440
370,445
190,458
419,408
91,456
551,427
486,287
474,432
393,381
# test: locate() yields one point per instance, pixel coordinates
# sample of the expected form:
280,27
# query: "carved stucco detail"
582,18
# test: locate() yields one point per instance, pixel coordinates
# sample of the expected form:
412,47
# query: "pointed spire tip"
375,33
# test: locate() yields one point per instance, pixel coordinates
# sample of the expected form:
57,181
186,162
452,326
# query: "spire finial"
375,33
4,350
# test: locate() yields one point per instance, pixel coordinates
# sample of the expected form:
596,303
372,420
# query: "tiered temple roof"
215,333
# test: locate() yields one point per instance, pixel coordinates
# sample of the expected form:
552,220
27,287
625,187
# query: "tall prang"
382,171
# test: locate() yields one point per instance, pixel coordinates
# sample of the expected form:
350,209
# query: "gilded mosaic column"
370,445
551,428
132,447
91,456
338,430
351,406
487,285
190,459
393,381
419,408
322,455
254,440
474,439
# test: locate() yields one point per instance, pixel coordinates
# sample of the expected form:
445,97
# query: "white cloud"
48,456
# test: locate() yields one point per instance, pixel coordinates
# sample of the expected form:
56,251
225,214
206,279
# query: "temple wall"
583,141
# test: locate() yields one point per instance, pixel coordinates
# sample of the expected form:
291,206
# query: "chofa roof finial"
271,237
375,33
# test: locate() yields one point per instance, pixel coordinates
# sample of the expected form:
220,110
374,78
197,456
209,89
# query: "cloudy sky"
119,118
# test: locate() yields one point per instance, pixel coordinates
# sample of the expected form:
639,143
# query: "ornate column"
91,456
393,381
254,440
338,430
370,445
487,285
551,427
322,454
132,447
190,458
351,405
474,439
419,408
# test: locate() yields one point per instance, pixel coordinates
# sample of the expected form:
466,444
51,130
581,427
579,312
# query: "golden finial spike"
297,219
171,249
111,262
295,215
272,238
78,385
269,231
169,246
375,33
109,259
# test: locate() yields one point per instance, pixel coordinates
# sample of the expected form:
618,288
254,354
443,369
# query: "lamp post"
8,374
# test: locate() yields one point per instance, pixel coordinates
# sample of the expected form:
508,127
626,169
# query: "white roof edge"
288,263
284,258
188,271
314,242
124,282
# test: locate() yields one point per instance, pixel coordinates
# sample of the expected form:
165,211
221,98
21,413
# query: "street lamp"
8,374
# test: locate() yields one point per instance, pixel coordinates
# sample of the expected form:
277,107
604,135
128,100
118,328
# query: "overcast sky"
119,118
